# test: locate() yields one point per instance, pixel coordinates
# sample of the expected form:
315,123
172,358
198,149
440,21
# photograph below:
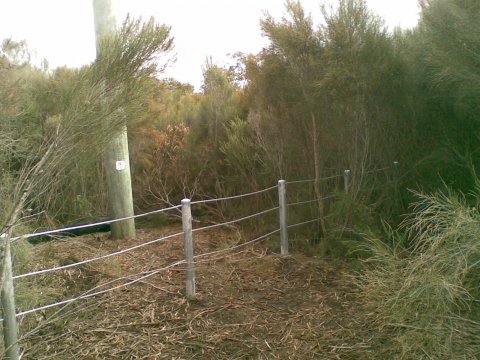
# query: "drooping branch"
93,112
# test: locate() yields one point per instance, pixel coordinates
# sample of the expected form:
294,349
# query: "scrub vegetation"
345,93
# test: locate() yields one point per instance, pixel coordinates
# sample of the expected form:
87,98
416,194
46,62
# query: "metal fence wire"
135,278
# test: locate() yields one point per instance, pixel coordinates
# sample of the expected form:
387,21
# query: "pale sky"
62,32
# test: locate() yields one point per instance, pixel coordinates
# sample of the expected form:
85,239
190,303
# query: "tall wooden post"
10,326
117,164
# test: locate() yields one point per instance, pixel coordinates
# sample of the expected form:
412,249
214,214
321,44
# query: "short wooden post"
188,245
10,326
282,205
346,180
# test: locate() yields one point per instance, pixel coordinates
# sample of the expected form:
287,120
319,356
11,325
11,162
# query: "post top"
185,201
104,20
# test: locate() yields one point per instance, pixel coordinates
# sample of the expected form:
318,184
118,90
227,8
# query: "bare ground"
251,304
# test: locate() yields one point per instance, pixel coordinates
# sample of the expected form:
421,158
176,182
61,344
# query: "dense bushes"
58,123
320,98
346,94
422,288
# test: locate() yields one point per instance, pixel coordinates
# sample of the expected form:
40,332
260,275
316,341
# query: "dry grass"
422,291
250,305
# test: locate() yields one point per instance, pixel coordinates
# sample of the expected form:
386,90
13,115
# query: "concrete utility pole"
117,163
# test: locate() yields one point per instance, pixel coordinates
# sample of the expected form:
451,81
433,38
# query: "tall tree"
359,77
300,48
442,54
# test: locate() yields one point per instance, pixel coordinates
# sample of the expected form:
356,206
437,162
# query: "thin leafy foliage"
423,290
95,108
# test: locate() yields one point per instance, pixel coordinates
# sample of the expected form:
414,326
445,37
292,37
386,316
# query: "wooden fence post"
188,245
10,325
346,180
282,205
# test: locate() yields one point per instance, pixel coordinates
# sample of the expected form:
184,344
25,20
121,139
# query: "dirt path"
250,305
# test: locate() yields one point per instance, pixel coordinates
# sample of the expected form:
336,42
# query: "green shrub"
425,297
348,221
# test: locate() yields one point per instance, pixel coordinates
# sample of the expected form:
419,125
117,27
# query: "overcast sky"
62,30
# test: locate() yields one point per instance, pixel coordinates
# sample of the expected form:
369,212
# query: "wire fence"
98,258
208,201
91,294
303,223
139,277
306,202
136,278
95,224
177,207
313,180
210,227
132,248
